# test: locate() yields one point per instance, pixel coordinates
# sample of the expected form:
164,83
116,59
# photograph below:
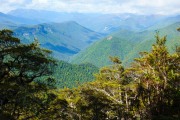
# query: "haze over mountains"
103,23
67,34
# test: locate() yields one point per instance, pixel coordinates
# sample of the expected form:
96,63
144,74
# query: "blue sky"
93,6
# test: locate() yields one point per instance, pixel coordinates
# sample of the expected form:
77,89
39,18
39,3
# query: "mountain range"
103,23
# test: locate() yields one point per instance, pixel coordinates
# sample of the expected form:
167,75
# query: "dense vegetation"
148,89
72,75
22,94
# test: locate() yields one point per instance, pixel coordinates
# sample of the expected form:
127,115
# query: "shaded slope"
65,39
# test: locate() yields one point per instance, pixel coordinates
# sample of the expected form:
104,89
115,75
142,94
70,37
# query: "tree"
156,75
23,67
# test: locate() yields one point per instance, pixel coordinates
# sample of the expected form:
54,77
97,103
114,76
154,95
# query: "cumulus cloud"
101,6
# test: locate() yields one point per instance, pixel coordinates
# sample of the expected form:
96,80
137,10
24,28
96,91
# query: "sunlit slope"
126,45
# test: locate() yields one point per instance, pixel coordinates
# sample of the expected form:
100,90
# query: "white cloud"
103,6
7,5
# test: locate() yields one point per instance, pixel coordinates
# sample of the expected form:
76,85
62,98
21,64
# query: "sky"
164,7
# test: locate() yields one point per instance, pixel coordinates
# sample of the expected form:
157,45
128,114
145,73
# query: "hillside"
64,39
126,45
72,75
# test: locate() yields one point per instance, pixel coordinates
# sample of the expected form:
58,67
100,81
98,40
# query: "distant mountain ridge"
16,20
103,23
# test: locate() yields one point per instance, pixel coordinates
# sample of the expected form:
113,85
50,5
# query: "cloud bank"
96,6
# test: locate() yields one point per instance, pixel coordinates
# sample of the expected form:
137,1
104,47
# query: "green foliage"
71,75
22,65
157,77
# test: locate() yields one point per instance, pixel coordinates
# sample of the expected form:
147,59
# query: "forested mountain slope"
126,45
